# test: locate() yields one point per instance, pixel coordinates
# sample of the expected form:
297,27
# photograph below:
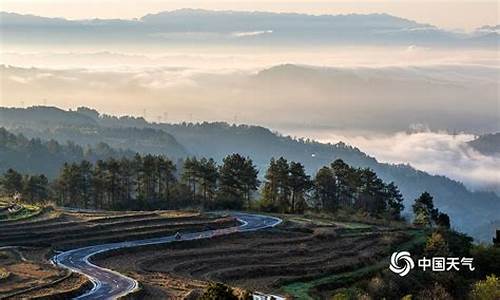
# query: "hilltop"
217,140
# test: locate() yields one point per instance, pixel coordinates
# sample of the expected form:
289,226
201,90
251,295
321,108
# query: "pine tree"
371,194
326,189
238,179
12,182
208,174
424,210
299,183
190,175
276,190
394,201
345,181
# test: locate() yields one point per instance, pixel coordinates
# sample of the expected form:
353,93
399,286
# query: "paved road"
109,284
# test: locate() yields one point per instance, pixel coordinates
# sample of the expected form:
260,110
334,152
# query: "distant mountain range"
288,96
240,28
469,211
488,144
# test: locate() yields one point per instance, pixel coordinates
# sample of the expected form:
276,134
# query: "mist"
438,153
290,96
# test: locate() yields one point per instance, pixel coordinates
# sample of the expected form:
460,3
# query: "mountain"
51,123
288,96
488,144
34,156
235,27
382,99
468,210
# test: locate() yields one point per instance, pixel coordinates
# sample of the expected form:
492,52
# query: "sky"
449,14
214,84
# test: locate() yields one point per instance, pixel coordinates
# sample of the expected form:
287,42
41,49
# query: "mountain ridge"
237,27
219,139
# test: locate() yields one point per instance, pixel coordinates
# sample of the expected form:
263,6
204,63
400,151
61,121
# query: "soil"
26,247
259,261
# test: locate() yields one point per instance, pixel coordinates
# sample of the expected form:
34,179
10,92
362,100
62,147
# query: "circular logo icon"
401,263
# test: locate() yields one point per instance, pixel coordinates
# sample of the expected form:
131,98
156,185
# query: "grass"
322,221
301,290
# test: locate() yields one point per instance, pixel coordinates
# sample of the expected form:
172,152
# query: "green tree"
238,179
394,201
166,177
99,184
276,189
85,183
112,182
149,178
346,182
325,189
128,181
190,175
208,175
424,210
35,188
371,194
12,182
299,183
249,180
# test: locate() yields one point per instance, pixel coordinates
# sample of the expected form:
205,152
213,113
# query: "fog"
438,153
366,95
454,92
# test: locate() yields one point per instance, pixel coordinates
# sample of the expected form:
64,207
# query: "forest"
472,211
156,182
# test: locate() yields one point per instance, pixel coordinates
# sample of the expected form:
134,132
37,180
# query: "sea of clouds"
439,153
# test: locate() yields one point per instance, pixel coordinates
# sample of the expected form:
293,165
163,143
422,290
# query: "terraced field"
72,230
304,258
265,261
27,245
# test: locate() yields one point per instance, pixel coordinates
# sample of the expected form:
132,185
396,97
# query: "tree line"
156,182
32,188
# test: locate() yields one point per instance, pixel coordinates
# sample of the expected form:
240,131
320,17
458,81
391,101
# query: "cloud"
19,79
438,153
251,33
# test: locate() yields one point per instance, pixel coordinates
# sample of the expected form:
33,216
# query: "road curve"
109,284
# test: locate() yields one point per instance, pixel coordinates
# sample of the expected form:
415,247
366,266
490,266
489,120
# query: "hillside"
34,156
289,96
51,123
488,144
217,140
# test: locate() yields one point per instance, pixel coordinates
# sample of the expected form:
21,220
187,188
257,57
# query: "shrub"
436,292
350,294
218,291
436,245
486,260
4,273
488,289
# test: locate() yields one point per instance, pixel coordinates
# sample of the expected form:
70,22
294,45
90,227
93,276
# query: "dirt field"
26,270
72,230
264,261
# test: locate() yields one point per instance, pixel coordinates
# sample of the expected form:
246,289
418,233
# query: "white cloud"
437,153
251,33
19,79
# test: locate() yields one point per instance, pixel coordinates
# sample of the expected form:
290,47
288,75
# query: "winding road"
109,284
